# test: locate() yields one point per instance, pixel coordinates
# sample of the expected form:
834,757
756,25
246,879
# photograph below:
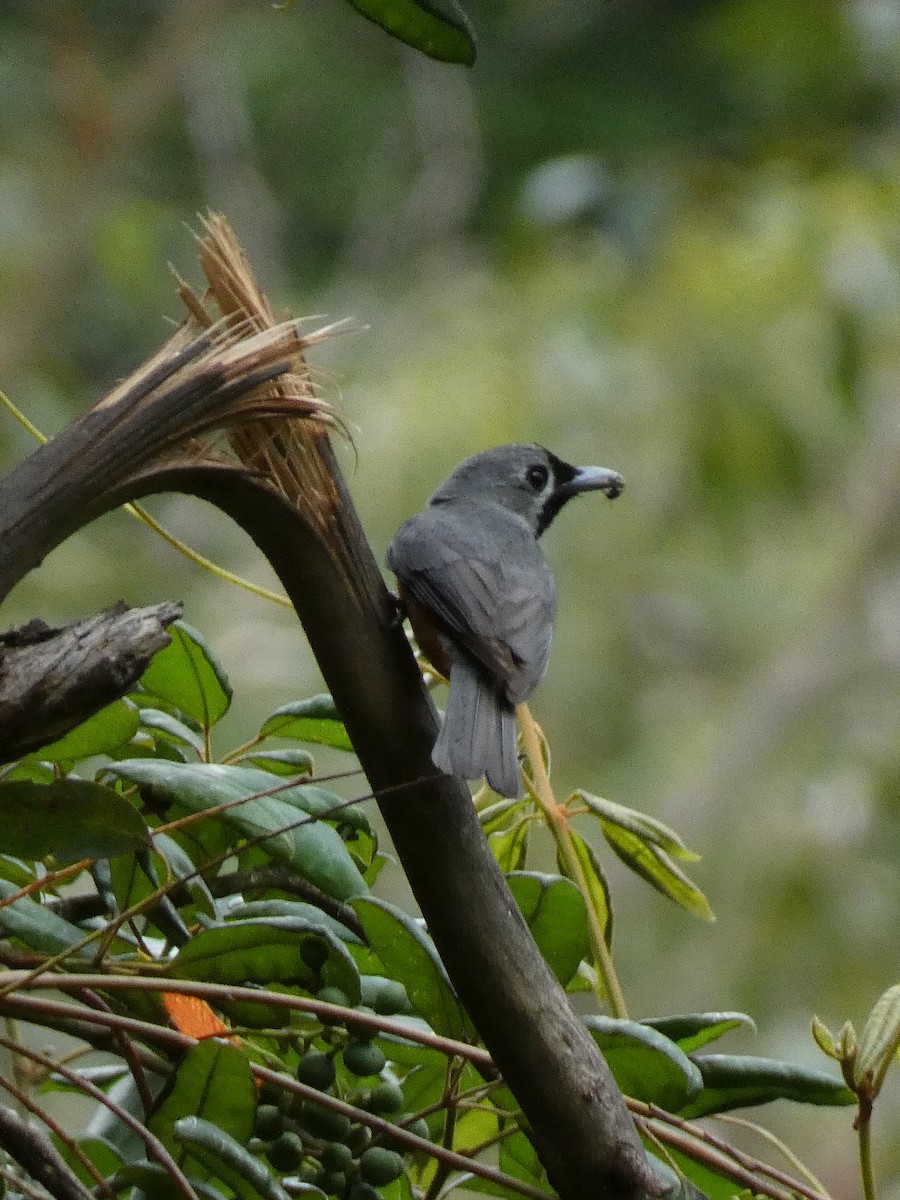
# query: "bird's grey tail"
478,736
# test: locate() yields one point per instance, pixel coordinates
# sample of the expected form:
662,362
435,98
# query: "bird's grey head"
527,480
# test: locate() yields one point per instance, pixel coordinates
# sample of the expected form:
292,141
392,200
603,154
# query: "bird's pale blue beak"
594,479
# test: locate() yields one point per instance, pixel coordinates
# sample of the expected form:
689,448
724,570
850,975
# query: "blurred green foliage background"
662,235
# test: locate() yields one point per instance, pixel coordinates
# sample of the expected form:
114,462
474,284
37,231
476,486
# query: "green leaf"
648,829
166,728
15,872
188,676
510,846
737,1081
101,733
519,1159
823,1038
313,849
227,1160
179,865
36,926
598,888
285,950
106,1157
281,762
314,720
155,1182
879,1041
438,28
264,909
554,910
69,818
645,1065
693,1030
214,1081
645,856
500,815
409,956
712,1184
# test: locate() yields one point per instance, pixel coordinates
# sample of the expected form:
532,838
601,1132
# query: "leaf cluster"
275,1027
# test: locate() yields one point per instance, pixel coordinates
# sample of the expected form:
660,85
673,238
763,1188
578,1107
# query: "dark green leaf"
554,910
693,1030
102,1153
644,1064
313,849
737,1081
100,734
314,720
438,28
179,865
519,1159
167,728
712,1185
227,1160
277,950
69,818
280,762
155,1182
598,888
188,676
36,926
214,1081
264,909
409,956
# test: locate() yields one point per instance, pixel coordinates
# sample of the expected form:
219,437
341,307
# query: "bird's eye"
536,476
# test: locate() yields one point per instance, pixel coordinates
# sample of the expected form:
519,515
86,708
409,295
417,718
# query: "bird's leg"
399,614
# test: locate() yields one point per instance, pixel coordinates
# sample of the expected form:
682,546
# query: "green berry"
362,1033
379,1166
286,1152
386,1098
334,995
359,1138
392,998
335,1156
269,1122
363,1191
363,1058
332,1183
324,1122
316,1070
420,1128
273,1093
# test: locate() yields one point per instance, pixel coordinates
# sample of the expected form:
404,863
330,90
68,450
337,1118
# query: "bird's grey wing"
494,597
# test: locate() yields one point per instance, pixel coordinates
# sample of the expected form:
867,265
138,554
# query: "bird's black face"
527,480
569,481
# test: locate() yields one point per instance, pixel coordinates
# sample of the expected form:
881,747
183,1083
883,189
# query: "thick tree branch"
52,679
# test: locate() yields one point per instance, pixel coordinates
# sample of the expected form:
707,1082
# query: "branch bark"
53,679
34,1151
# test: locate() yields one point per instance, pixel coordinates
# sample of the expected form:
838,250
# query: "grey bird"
481,598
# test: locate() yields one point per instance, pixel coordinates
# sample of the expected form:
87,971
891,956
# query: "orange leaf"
194,1017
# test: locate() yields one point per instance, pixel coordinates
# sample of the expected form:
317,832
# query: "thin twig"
558,823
